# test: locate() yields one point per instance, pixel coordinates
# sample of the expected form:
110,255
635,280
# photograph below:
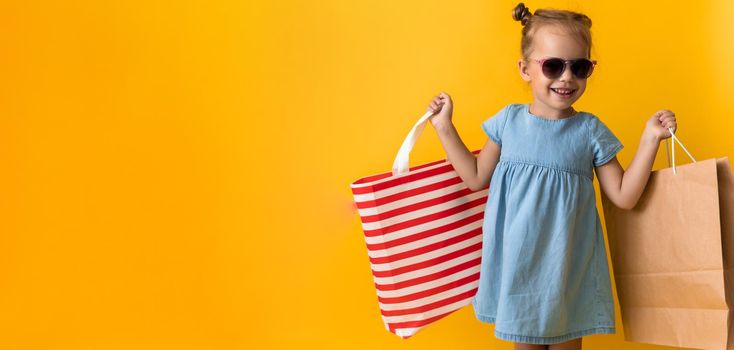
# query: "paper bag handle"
672,147
402,161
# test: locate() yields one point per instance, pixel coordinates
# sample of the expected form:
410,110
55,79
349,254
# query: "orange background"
176,173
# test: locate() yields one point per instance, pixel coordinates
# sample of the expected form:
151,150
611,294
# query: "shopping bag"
673,256
423,230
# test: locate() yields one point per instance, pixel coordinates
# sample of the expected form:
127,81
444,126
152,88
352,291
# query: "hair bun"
521,13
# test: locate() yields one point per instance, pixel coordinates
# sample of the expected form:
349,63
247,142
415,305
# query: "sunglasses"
554,67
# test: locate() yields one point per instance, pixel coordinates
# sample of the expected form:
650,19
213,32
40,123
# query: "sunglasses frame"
566,63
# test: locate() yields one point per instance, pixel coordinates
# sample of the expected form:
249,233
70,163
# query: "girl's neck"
540,110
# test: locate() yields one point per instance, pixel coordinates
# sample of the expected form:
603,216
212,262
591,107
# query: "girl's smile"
564,93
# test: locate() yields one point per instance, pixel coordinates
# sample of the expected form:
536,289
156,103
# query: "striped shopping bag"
423,229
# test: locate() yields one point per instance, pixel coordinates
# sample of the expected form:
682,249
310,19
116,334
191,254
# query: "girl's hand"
657,126
442,109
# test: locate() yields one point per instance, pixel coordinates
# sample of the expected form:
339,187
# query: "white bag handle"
672,147
401,165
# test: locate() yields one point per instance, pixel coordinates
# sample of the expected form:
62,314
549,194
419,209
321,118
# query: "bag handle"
401,165
672,147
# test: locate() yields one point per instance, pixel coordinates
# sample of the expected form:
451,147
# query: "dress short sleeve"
604,143
494,125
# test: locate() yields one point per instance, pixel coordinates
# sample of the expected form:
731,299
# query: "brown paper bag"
673,257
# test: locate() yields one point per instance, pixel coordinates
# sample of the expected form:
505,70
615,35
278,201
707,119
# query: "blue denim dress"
544,277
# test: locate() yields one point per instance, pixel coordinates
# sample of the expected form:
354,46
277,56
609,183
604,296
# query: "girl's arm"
476,173
624,188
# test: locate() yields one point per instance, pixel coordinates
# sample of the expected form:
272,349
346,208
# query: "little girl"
544,279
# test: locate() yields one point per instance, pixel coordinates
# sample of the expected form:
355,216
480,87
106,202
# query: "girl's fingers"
665,118
439,101
665,114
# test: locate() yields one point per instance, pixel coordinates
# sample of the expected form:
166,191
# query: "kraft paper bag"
673,256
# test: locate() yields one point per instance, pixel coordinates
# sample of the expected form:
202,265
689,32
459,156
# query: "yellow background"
175,174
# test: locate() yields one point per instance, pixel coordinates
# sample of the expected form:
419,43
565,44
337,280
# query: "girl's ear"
523,67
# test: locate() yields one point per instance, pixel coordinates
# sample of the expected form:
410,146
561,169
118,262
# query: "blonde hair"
574,23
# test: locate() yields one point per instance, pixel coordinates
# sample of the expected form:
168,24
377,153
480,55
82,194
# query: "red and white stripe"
423,231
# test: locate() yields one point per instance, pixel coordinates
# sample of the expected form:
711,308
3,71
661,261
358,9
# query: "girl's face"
552,41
